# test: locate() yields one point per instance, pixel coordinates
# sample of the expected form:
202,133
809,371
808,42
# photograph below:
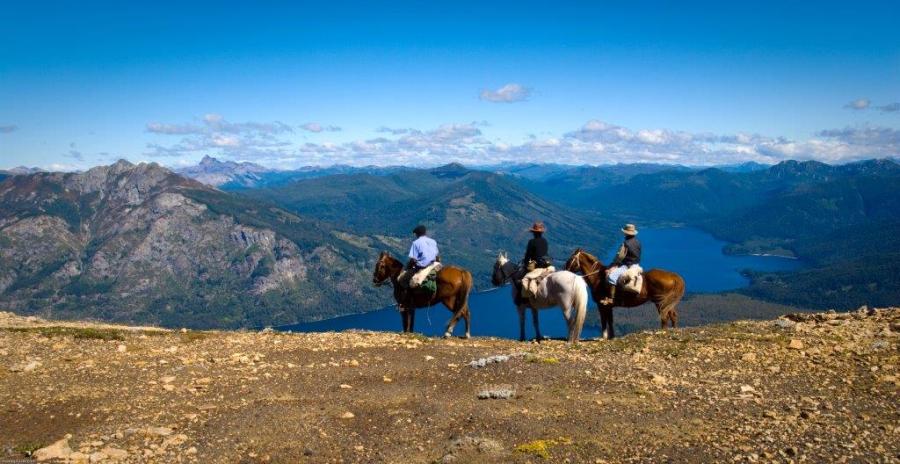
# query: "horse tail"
671,298
580,303
465,289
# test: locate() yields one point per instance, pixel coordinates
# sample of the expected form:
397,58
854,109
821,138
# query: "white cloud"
213,133
595,142
509,93
890,107
316,127
858,104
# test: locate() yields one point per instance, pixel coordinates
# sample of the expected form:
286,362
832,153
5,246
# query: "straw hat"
629,229
538,226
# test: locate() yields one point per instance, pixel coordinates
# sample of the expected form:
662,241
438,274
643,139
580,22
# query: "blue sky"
422,83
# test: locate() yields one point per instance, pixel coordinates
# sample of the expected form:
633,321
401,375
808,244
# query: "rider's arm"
620,255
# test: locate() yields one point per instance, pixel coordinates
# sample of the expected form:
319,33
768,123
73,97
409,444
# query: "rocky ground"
804,388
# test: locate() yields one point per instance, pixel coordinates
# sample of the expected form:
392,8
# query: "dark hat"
538,226
420,230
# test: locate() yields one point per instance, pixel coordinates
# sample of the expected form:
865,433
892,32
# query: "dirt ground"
808,388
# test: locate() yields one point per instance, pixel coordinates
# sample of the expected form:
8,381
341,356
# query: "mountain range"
141,243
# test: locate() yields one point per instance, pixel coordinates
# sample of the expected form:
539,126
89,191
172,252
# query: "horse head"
582,261
503,270
383,268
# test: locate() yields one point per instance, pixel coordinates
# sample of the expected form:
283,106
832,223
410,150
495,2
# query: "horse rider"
536,252
537,259
629,254
422,253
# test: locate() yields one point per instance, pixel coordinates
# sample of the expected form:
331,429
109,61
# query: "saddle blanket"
419,277
532,281
632,280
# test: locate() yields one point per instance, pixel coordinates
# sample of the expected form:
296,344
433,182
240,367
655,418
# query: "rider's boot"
612,296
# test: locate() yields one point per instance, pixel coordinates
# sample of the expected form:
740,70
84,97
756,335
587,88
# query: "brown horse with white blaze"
453,287
664,288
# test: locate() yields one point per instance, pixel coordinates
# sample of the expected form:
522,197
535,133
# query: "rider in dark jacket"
537,248
629,254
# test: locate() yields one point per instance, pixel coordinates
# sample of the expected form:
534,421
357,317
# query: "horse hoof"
447,335
468,336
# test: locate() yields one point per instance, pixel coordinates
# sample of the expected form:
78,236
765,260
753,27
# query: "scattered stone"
785,323
348,415
504,392
429,357
59,450
114,454
796,344
747,389
499,358
158,431
748,357
658,379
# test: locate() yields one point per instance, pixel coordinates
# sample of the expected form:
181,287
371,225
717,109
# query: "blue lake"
694,254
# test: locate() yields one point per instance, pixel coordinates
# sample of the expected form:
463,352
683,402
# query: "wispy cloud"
316,127
8,129
858,104
74,153
890,107
214,133
509,93
595,142
865,104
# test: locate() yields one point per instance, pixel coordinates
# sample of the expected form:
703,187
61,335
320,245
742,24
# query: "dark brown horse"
453,287
663,288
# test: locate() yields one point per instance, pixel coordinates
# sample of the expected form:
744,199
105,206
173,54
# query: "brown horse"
453,287
663,288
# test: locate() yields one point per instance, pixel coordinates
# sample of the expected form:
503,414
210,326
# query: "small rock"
59,450
747,389
796,344
785,323
114,454
658,379
345,386
121,348
348,415
428,358
748,357
158,431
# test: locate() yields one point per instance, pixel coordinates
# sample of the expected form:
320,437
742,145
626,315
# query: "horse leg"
521,310
406,316
537,325
451,324
467,316
606,322
673,318
412,319
570,321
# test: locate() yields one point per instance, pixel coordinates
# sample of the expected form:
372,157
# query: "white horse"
562,288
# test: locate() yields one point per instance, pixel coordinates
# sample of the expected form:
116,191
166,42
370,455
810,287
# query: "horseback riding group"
536,284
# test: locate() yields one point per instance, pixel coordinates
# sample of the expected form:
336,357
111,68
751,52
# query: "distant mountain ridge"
139,243
473,214
230,175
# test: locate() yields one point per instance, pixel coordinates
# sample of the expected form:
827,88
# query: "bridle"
387,280
503,274
576,263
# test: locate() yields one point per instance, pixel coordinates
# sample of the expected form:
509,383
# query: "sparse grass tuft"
192,336
541,448
78,333
28,448
541,360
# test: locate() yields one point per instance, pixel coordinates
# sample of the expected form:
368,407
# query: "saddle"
632,280
426,274
531,282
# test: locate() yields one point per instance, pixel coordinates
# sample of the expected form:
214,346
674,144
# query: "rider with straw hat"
629,254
